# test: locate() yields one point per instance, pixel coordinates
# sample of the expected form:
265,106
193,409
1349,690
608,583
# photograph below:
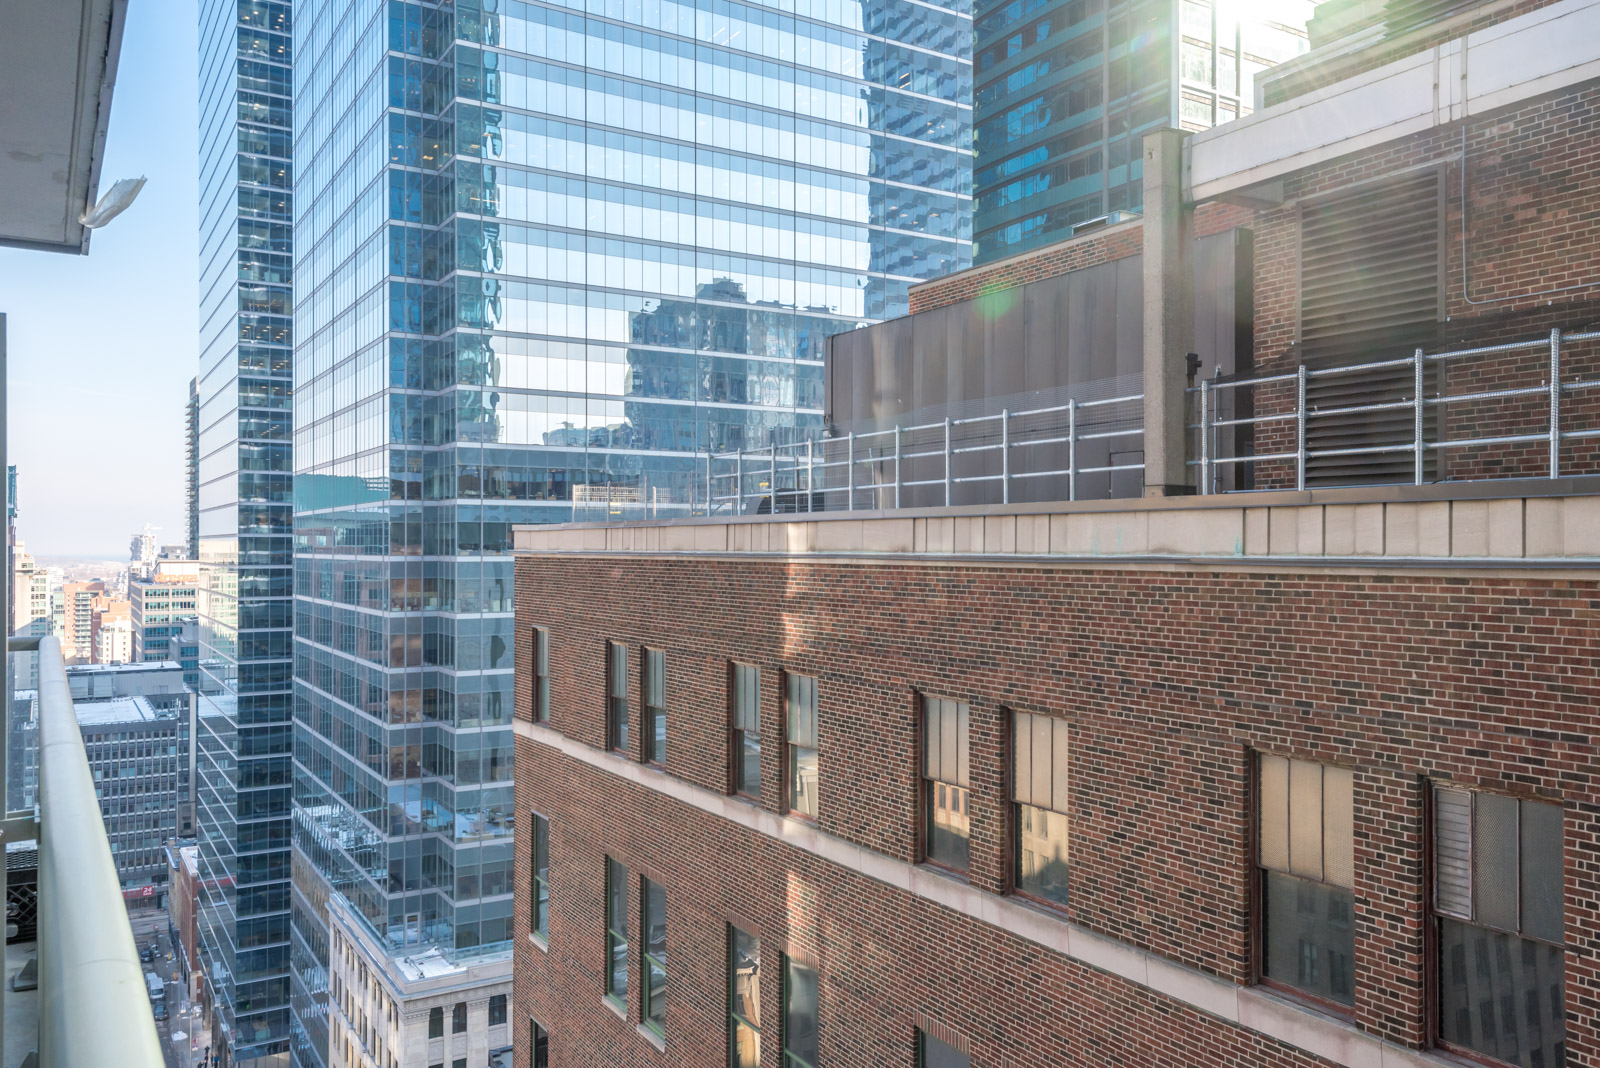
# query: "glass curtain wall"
1067,89
244,525
547,252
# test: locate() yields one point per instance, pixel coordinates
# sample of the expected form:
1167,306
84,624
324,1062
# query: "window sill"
1330,1010
615,1006
953,874
542,944
656,1039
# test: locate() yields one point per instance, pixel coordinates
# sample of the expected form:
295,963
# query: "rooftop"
116,710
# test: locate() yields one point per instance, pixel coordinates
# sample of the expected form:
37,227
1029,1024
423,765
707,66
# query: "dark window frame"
744,682
436,1022
503,1003
538,1042
541,674
736,1018
653,704
617,711
539,903
648,961
938,715
790,1058
458,1018
616,931
1037,785
1261,872
802,689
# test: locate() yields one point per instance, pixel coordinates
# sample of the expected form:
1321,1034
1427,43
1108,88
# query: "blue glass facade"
545,253
243,515
1066,90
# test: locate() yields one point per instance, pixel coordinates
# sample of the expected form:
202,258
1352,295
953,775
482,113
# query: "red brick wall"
1072,254
1533,209
1169,679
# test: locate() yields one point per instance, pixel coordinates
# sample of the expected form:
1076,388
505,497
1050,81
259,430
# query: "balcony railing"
93,1005
1044,454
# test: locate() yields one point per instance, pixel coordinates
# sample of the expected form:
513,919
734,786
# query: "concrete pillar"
1168,314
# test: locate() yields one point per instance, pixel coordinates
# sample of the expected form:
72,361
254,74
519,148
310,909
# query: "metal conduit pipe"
94,1007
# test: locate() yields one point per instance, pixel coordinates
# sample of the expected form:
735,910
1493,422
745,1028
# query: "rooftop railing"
1050,453
93,1006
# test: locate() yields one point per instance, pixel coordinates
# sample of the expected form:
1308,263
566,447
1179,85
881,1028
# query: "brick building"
1297,777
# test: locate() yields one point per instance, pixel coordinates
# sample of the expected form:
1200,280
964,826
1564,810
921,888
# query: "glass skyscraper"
1067,89
545,252
244,781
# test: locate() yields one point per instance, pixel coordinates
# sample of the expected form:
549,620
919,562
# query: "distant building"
161,603
417,1011
30,612
183,903
188,652
161,684
134,753
74,620
113,636
142,553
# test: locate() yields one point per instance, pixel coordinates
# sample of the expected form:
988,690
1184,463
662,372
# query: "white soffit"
1519,59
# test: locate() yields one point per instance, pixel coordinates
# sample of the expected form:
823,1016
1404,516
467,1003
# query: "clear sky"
101,347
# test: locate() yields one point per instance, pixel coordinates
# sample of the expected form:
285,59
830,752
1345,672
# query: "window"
459,1062
1307,858
653,932
744,999
1498,885
436,1023
617,696
497,1009
1039,786
799,1015
616,930
802,702
539,1054
540,921
932,1053
946,778
746,685
458,1018
541,675
655,701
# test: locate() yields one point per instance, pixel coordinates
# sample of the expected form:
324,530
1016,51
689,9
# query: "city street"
183,1019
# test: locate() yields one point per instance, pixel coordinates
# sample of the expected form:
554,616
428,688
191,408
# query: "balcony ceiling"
58,62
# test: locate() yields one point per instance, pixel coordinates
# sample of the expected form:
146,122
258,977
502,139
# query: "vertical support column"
850,471
1417,444
811,471
1555,403
1205,437
1168,314
1300,428
1072,450
1005,456
772,491
709,502
898,481
947,461
738,483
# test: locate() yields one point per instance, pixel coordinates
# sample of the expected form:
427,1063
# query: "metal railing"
94,1007
1552,390
834,474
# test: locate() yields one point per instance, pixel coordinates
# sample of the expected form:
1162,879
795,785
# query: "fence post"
1005,456
947,461
897,479
1072,449
850,472
1555,403
708,483
1300,429
811,471
1205,437
1416,412
772,493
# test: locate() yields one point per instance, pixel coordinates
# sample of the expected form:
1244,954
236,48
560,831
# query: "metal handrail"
801,471
94,1007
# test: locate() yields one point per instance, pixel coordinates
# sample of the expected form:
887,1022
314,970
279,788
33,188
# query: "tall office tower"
30,613
142,552
1066,90
543,257
191,414
245,526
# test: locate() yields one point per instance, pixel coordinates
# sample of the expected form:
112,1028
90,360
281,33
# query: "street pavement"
151,926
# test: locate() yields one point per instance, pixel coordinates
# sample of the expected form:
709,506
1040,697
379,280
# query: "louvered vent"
1369,290
1452,843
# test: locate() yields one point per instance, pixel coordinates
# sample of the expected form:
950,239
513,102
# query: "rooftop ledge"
1546,523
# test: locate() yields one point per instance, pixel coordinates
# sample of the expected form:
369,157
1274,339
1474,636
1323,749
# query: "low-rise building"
411,1011
133,750
183,903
